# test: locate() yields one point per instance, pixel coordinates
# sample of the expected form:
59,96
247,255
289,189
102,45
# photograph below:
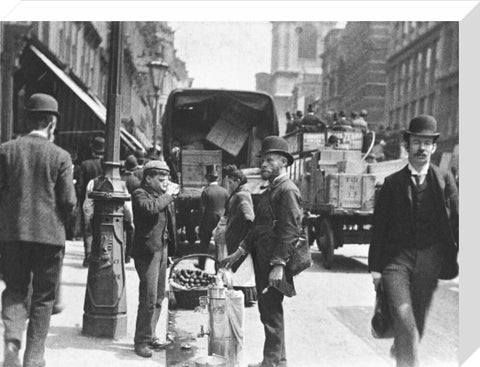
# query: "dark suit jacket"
36,191
214,197
393,219
89,169
151,216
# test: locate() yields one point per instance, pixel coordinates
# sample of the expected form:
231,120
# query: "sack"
300,257
382,324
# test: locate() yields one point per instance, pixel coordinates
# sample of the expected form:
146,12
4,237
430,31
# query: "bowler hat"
131,162
40,102
156,164
211,171
422,125
98,145
275,144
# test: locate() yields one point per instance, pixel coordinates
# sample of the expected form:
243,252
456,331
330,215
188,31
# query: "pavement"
327,323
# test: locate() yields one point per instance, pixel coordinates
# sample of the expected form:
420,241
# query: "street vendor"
276,228
153,229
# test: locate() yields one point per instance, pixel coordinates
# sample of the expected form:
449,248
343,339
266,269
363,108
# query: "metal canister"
221,341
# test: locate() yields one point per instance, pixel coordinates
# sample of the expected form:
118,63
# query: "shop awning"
94,104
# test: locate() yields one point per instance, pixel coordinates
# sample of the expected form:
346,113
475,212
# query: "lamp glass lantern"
158,69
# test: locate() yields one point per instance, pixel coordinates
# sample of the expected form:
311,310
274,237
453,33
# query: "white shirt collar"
422,172
43,134
213,183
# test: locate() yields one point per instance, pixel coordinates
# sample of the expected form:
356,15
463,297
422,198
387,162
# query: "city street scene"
229,194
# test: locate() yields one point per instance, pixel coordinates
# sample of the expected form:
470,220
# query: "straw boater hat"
424,126
275,144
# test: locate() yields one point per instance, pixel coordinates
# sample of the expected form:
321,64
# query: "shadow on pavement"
340,264
60,337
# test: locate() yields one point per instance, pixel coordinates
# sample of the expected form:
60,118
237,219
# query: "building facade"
294,78
354,70
69,60
423,76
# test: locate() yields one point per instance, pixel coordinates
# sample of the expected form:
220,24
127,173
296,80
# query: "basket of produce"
190,277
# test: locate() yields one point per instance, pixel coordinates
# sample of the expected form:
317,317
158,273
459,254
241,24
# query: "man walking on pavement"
153,229
415,238
276,229
36,197
214,197
89,169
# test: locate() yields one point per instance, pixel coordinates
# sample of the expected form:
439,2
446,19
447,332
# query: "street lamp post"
157,69
105,298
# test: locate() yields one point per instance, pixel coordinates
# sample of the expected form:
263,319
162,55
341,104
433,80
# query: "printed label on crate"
350,191
313,141
352,139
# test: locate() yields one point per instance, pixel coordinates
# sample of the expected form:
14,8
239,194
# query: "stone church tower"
294,79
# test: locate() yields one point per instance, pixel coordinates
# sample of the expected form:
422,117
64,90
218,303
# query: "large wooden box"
194,164
351,191
352,167
336,155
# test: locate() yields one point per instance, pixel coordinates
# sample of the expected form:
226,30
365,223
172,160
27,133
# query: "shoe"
157,344
143,350
10,358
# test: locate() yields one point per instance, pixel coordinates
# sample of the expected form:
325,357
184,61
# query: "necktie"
417,179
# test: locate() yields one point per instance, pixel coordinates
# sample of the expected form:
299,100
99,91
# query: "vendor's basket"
189,298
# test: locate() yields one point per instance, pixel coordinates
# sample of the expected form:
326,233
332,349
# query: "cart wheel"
326,242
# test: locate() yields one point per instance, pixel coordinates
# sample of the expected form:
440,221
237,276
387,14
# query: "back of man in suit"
415,238
36,197
214,197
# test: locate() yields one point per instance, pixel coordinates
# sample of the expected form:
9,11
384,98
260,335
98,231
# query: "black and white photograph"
232,193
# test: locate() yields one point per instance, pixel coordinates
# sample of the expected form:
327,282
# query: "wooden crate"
336,155
352,167
305,141
349,139
194,164
350,191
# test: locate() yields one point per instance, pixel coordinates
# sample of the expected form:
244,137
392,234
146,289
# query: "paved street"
327,323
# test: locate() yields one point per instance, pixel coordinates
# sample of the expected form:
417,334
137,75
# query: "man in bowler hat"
415,238
36,197
153,229
213,197
276,228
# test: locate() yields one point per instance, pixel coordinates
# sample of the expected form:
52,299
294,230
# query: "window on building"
61,41
307,41
449,47
421,105
431,104
407,78
405,113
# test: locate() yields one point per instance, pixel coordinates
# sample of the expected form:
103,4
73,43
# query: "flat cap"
156,164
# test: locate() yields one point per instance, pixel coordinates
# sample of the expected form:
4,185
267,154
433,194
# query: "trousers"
152,271
40,264
270,306
410,280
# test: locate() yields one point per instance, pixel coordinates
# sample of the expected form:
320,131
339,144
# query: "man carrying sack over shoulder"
276,229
